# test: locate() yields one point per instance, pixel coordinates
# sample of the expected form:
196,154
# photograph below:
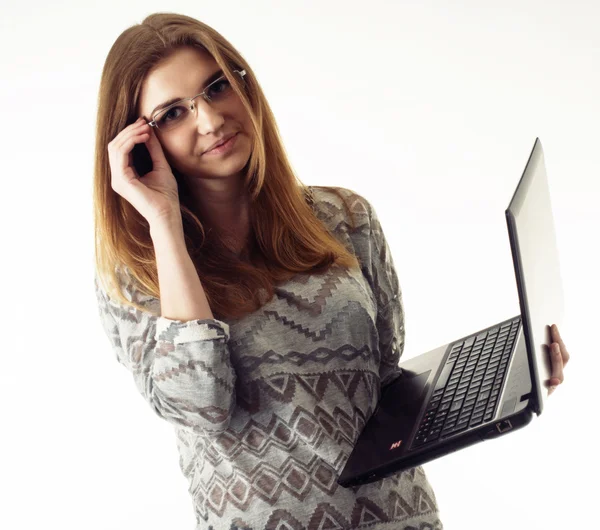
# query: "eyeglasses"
181,111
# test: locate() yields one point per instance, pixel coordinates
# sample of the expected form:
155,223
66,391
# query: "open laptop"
486,384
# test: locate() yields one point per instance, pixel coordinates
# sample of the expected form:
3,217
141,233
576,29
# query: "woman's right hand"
155,195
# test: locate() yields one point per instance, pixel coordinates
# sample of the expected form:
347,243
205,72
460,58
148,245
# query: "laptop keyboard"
466,393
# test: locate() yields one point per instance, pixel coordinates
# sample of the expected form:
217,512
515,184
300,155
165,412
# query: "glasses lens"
170,118
220,89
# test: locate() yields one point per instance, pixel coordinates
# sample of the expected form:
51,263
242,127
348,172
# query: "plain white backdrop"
428,109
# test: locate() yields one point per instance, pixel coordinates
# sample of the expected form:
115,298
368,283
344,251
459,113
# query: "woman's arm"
181,294
180,362
390,307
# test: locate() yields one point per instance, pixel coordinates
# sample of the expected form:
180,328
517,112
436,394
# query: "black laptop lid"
535,257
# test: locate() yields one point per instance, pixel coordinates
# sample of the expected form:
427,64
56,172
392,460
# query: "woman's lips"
223,148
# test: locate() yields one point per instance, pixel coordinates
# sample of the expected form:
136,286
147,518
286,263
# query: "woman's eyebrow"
206,82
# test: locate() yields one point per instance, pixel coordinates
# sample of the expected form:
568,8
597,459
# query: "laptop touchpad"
405,395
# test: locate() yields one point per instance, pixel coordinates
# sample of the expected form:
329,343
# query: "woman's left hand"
559,357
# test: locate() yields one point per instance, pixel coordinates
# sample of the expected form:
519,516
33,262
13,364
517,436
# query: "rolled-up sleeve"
182,369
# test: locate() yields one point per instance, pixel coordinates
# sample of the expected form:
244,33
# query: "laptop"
484,385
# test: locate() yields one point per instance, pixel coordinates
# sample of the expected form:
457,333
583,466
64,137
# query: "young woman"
260,317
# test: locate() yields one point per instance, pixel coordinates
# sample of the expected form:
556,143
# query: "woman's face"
184,74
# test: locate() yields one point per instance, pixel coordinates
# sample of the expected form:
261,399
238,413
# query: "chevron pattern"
267,409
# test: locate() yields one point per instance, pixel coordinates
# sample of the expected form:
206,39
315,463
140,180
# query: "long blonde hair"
286,236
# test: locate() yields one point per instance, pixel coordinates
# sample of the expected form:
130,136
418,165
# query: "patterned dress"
266,409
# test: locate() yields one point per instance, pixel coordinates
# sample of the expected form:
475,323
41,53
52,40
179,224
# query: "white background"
428,109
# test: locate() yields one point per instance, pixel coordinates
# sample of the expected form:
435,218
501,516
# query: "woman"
260,317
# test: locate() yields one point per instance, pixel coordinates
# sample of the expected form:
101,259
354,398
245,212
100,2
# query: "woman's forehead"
176,77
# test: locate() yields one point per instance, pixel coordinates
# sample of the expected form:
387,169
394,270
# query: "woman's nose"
208,118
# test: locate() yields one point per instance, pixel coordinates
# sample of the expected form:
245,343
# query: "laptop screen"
535,257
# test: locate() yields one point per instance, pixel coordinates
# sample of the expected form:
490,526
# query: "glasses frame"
190,101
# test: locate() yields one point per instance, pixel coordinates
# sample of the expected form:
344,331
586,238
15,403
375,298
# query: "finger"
557,376
121,144
121,154
123,171
155,148
563,348
133,129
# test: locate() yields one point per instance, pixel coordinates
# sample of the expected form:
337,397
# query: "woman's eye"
171,114
220,87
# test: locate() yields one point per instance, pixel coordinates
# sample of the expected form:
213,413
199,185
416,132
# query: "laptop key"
486,387
444,406
483,397
476,419
435,434
456,405
452,415
443,379
420,437
431,437
461,426
433,405
455,429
